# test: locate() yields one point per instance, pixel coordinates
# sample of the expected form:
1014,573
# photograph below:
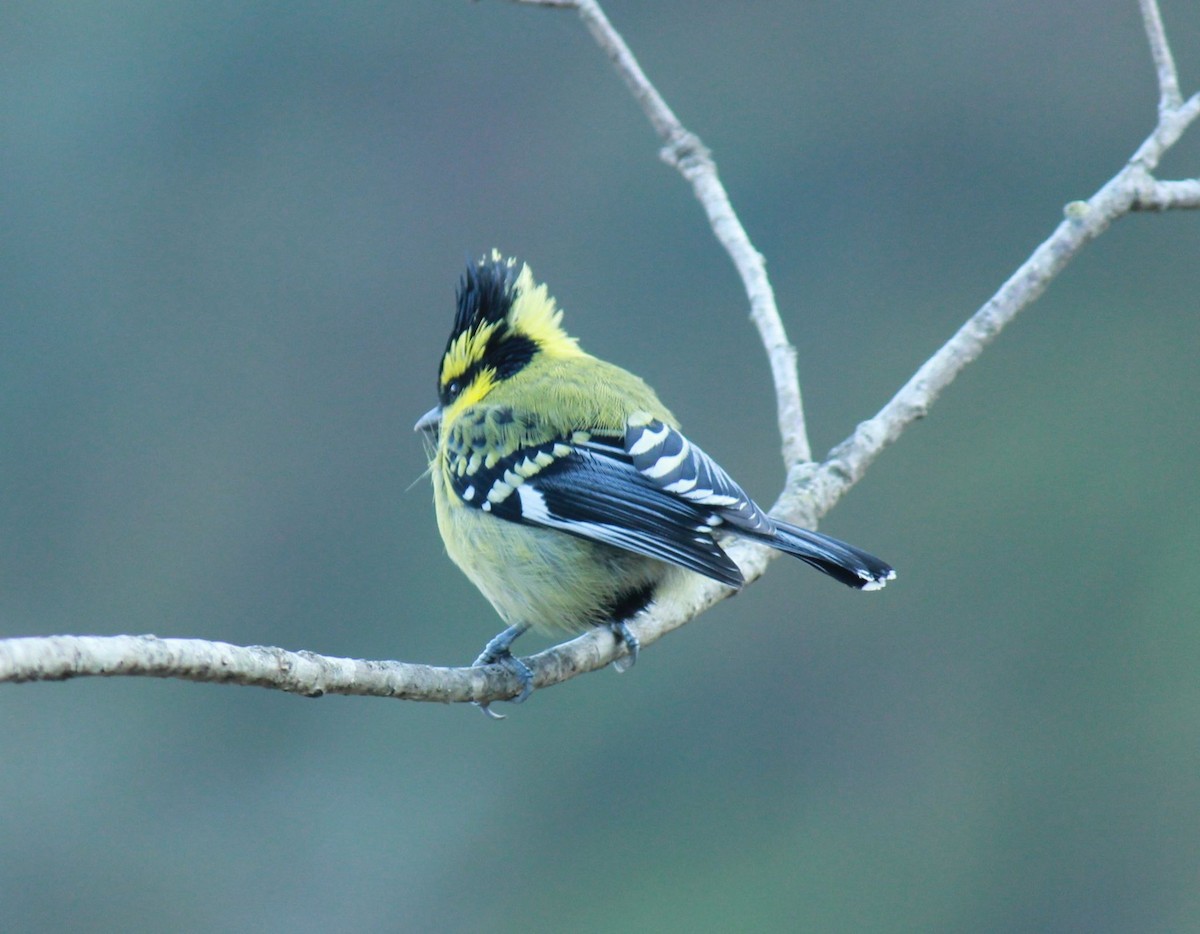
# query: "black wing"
588,486
667,459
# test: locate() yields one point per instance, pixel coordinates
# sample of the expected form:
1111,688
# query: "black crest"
485,294
485,297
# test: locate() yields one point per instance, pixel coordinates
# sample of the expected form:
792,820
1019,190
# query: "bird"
565,490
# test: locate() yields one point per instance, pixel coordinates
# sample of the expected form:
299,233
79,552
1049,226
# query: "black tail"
850,565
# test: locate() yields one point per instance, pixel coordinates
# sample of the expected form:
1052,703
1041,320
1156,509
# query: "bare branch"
684,150
1169,97
55,658
1171,126
1133,188
1166,196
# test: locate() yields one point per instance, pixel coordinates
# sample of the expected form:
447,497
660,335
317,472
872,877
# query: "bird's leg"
622,633
499,652
626,608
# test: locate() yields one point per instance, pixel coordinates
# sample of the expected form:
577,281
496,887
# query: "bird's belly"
542,577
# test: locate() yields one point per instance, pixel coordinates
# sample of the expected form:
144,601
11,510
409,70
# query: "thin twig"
1169,97
684,150
1171,126
1169,195
1131,189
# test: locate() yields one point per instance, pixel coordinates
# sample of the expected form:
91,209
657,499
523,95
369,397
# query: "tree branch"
811,489
1169,97
1133,188
1167,196
56,658
684,150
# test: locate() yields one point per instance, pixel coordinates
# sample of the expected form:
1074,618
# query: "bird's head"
504,320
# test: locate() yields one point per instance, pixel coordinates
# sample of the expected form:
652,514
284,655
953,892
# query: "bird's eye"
454,389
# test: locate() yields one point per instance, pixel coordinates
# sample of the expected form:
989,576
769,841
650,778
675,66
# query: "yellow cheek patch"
483,383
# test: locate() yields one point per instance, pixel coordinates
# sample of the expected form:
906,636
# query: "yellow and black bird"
564,489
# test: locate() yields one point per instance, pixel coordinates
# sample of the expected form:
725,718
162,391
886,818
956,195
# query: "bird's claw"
500,655
622,633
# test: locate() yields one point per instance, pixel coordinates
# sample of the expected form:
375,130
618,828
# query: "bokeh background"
229,239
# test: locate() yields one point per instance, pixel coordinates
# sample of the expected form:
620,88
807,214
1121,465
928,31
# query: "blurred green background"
229,239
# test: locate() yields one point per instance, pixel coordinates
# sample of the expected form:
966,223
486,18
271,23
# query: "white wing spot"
648,440
533,504
664,465
499,492
709,498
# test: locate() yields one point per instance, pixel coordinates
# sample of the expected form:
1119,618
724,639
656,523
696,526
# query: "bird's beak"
430,420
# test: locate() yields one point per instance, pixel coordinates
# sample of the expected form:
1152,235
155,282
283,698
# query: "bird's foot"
499,652
622,633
